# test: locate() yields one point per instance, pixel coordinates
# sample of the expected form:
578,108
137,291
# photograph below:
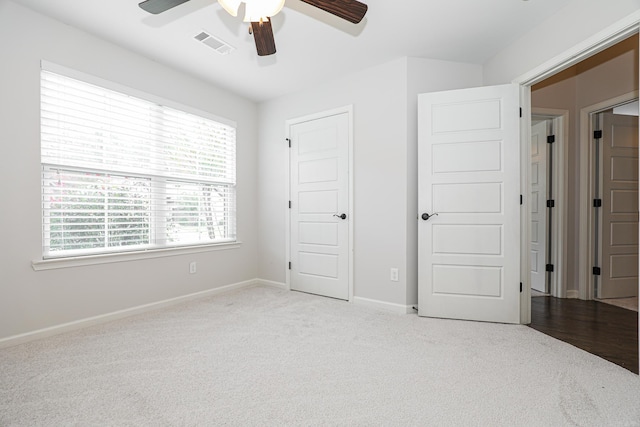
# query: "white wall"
31,300
378,98
573,24
384,100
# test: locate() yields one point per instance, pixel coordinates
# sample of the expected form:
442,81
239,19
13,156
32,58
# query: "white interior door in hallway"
469,175
538,206
619,221
319,213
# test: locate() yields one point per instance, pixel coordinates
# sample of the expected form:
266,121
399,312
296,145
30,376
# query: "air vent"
220,46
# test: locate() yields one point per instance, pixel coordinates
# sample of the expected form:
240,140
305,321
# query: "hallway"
602,329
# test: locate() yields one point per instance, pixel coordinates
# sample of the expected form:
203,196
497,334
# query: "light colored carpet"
263,356
535,294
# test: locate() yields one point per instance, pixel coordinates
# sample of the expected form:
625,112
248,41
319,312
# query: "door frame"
586,244
348,109
587,48
560,119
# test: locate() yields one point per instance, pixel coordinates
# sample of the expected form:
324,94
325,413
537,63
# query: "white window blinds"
122,173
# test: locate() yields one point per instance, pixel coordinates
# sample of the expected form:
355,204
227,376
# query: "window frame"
155,249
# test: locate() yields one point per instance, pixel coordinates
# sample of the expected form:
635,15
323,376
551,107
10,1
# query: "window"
121,173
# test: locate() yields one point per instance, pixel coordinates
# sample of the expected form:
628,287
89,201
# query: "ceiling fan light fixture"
231,6
259,13
255,10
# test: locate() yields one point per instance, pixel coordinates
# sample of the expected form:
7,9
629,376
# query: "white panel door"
469,174
619,272
538,202
319,216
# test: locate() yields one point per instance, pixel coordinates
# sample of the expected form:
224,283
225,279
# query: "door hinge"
521,199
289,204
520,111
289,265
597,134
551,203
597,203
551,139
289,141
596,271
549,268
520,286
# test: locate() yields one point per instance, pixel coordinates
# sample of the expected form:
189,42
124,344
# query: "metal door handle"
426,216
341,216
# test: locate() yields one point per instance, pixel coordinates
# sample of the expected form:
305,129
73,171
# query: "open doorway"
549,137
570,311
541,177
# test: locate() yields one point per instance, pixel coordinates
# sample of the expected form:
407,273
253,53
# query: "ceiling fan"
259,13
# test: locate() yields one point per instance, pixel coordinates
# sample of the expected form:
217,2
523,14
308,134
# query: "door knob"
341,216
426,216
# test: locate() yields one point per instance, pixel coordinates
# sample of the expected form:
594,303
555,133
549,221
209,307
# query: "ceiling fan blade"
351,10
159,6
263,35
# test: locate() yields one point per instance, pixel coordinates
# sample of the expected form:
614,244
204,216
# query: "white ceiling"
312,45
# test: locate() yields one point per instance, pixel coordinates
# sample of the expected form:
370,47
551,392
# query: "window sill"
79,261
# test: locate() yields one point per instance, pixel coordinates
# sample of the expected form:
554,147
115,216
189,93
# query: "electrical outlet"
394,275
192,267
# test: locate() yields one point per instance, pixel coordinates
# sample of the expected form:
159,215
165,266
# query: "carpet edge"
120,314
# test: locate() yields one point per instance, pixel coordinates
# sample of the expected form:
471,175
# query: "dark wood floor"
602,329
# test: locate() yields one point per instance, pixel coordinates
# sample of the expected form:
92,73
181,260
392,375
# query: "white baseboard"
104,318
383,305
573,294
272,284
